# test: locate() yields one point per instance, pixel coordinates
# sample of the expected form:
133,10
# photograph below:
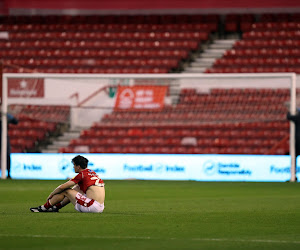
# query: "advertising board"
265,168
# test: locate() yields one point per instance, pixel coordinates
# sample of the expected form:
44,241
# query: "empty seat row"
37,114
103,53
109,63
233,101
96,27
263,52
231,107
17,149
246,26
173,150
122,130
262,26
40,125
265,61
239,23
253,69
280,17
174,136
194,117
90,36
22,143
206,141
280,34
218,105
127,44
247,22
230,92
34,134
85,70
111,19
268,43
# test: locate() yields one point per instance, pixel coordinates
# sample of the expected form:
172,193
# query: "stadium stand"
156,44
235,23
37,124
182,128
147,44
96,44
268,45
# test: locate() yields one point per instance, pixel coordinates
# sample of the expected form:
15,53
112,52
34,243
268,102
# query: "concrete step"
214,51
225,41
220,46
195,70
53,146
68,136
205,60
174,99
63,141
202,64
209,54
59,144
174,91
50,151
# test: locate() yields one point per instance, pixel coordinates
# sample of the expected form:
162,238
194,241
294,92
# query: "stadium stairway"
62,141
210,54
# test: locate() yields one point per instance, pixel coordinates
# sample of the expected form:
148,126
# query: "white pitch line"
247,240
150,238
76,237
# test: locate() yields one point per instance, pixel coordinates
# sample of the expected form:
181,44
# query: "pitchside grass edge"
156,214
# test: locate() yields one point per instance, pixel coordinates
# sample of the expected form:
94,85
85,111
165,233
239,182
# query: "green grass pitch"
156,215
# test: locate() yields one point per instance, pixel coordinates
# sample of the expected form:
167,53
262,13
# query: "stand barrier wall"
252,168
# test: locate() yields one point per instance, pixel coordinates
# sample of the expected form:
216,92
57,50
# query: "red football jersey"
87,178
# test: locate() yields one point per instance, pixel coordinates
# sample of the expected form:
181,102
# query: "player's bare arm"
61,188
77,189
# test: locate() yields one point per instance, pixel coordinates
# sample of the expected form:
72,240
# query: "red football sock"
59,205
47,205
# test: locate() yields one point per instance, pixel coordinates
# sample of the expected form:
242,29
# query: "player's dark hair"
80,161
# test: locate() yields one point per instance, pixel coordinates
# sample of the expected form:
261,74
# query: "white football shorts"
87,205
